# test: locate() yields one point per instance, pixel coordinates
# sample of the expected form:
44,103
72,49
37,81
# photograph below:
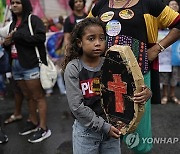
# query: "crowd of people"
86,36
169,80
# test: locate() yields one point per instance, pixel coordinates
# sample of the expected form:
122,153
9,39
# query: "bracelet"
151,93
162,48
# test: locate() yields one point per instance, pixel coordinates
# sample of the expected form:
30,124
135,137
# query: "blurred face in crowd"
16,7
174,5
78,5
59,26
46,23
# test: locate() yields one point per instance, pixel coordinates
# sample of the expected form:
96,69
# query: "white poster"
165,60
165,56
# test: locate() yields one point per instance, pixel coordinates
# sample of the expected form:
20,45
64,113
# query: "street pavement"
165,124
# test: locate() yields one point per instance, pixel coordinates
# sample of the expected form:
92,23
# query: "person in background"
3,136
18,95
49,33
20,45
52,26
57,61
78,14
60,23
136,23
46,23
169,80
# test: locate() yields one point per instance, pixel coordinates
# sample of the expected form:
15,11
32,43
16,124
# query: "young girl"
83,62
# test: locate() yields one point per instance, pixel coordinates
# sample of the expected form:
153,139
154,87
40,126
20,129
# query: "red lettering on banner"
119,87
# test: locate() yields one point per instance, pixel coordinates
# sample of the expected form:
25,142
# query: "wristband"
162,48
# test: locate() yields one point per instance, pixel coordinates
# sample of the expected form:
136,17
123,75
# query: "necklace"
119,1
18,22
127,3
112,2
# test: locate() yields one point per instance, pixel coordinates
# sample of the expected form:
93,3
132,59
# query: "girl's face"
78,5
16,7
93,41
174,5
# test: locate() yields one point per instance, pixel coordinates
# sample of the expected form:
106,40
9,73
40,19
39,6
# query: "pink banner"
64,4
8,2
37,8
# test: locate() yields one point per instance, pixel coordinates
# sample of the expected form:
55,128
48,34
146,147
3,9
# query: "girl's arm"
82,113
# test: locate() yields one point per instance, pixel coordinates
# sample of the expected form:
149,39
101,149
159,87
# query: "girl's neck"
91,62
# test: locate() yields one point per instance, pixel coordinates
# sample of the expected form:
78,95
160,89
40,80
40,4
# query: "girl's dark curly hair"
26,10
71,3
74,51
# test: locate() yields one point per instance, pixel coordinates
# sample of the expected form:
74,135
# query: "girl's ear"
79,43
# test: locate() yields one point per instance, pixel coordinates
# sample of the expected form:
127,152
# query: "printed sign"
126,14
105,17
165,56
176,53
113,28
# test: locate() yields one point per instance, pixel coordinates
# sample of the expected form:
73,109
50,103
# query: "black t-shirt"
126,26
71,21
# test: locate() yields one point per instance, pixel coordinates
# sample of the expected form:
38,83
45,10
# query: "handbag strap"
32,33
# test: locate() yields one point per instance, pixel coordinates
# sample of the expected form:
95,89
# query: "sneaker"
40,135
3,137
29,128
